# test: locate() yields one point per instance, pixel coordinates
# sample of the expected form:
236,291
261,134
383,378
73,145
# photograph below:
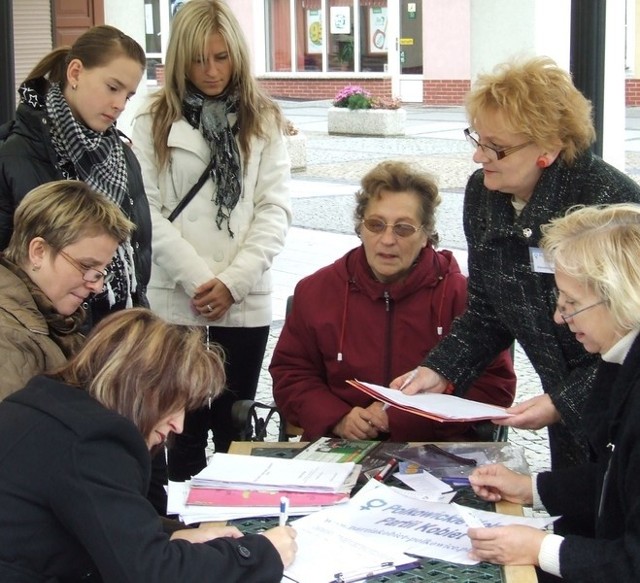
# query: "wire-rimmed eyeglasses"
378,227
490,151
89,274
566,317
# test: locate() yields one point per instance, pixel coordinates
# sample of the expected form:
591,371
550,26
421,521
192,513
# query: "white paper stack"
267,473
239,486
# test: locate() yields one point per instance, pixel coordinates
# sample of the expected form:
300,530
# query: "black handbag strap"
186,199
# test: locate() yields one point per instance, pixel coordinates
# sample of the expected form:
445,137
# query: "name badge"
538,262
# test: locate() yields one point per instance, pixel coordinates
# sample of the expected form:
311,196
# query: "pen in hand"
284,511
412,375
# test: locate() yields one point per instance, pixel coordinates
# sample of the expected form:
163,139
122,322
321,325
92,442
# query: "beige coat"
26,349
192,250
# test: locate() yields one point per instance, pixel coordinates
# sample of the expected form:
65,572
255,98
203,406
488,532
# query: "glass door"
410,51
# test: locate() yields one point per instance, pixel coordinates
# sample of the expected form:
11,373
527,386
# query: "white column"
128,16
614,113
503,29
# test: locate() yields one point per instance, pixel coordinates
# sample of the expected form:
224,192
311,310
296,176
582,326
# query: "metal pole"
7,70
588,20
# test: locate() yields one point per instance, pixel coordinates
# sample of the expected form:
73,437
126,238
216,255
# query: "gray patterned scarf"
209,116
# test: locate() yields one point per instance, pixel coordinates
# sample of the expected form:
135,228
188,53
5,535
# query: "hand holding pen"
420,380
407,379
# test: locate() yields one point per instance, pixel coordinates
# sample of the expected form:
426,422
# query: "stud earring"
35,268
542,162
74,87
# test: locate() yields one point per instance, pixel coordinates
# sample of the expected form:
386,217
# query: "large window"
326,35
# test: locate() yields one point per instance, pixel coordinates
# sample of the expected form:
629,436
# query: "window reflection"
327,27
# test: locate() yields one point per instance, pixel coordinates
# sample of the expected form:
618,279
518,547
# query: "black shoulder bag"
186,199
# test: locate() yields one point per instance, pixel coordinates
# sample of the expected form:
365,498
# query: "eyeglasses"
399,229
567,317
494,153
89,274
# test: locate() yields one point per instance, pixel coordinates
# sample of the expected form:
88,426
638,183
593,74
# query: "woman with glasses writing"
374,312
531,132
64,236
595,251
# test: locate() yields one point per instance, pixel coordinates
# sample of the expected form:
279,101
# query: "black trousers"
244,351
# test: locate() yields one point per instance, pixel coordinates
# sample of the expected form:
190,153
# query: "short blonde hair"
62,213
144,368
600,247
397,176
538,99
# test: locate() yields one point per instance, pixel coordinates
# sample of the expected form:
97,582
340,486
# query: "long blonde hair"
192,27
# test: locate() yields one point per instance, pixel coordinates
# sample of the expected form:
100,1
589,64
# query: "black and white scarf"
96,158
209,116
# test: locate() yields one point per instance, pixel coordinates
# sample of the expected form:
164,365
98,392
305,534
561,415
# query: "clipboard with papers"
435,406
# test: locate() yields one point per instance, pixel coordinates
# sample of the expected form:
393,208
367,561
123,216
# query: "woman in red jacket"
374,313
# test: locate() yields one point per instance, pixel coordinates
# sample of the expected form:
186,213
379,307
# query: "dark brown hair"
95,48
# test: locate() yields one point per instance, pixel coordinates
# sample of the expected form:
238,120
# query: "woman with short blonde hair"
531,132
65,235
595,253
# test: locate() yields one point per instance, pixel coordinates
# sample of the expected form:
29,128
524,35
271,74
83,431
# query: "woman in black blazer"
595,251
75,466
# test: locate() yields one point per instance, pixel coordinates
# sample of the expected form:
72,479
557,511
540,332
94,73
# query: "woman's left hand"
534,413
506,545
212,299
206,532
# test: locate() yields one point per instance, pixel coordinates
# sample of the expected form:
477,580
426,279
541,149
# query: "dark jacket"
72,480
508,301
611,550
380,331
28,159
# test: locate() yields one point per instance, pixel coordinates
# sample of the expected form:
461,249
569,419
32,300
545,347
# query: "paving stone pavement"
335,165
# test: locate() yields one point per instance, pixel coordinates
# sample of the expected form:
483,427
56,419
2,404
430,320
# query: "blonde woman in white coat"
211,265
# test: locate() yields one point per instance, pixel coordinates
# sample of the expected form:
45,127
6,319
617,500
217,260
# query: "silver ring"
209,307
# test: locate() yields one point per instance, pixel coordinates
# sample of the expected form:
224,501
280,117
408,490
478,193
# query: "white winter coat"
193,250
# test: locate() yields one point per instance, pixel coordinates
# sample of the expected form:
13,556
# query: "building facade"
426,51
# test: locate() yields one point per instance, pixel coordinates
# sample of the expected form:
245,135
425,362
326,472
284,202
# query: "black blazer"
73,477
604,512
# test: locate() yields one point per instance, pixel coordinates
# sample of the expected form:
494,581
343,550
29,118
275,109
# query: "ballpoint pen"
353,576
284,511
412,375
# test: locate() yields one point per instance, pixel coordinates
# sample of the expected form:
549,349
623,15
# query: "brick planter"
366,122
